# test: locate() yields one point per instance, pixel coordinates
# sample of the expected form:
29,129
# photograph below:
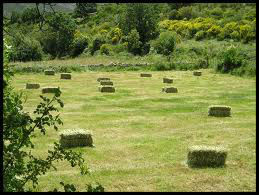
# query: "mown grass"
142,135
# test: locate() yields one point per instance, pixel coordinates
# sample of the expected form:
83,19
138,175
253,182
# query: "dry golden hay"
206,156
167,80
145,75
65,76
106,82
32,86
197,73
50,89
107,89
76,137
169,90
49,72
103,78
219,111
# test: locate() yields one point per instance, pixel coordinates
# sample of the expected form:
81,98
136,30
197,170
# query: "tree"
143,18
30,16
165,44
20,166
58,37
82,10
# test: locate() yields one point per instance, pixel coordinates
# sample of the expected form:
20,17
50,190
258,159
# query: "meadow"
141,135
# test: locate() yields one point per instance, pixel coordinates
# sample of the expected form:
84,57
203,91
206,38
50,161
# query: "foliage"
230,59
25,49
105,49
97,42
166,43
30,16
142,18
134,44
78,46
82,10
59,36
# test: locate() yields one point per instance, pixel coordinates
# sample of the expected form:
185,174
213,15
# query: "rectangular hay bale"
50,89
219,111
65,76
106,82
32,86
103,78
206,156
169,90
107,89
167,80
145,75
76,137
49,72
197,73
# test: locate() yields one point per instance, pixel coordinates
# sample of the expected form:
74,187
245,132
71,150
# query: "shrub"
166,43
200,35
105,49
97,43
78,46
230,59
25,49
134,45
235,35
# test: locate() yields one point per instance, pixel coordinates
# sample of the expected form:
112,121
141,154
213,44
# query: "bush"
200,35
165,44
25,49
134,45
105,49
78,46
230,59
97,43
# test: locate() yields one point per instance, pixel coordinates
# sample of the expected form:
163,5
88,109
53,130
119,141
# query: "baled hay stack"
32,85
50,89
107,89
206,156
169,90
145,75
76,137
106,82
197,73
103,78
167,80
65,76
219,111
49,72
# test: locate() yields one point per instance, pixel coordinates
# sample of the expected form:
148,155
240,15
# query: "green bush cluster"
209,28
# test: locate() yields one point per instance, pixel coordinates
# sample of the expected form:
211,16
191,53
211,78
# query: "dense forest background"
166,32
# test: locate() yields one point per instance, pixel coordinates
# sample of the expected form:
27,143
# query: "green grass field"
142,135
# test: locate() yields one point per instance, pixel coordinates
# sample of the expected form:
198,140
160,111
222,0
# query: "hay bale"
50,89
145,75
32,85
167,80
206,156
169,90
49,72
76,137
197,73
219,111
107,89
106,82
65,76
103,78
